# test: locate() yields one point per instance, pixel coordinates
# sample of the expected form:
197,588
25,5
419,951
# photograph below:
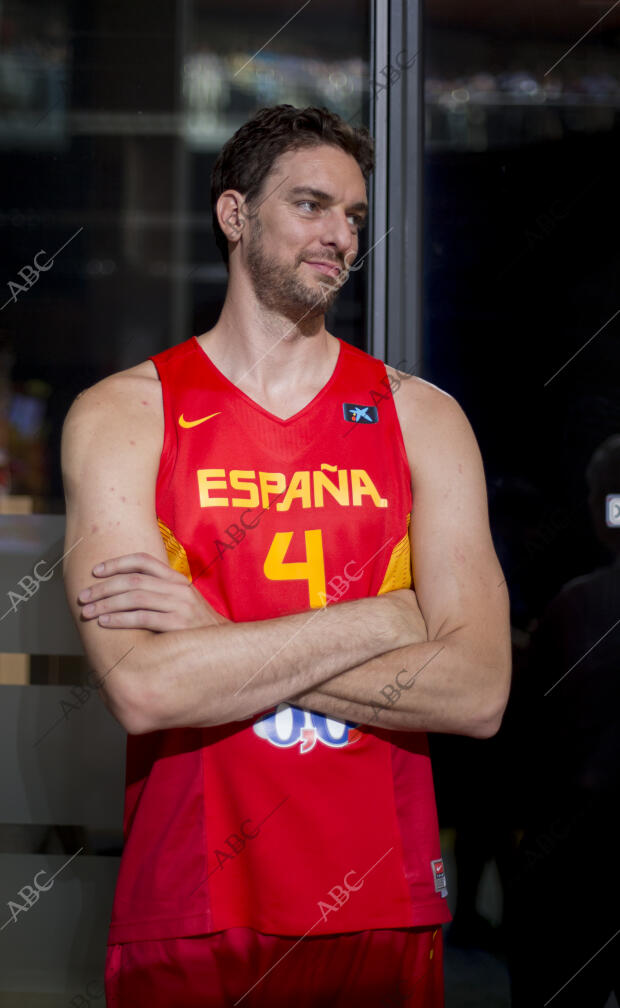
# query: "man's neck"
272,357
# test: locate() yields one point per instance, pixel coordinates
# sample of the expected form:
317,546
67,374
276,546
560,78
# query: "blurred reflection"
508,86
563,905
214,85
33,74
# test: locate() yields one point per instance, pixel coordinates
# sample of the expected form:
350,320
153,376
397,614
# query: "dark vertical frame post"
394,293
180,239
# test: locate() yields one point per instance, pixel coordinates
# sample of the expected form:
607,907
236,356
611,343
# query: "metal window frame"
394,284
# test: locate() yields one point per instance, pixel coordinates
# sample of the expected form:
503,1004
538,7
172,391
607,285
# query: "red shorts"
385,968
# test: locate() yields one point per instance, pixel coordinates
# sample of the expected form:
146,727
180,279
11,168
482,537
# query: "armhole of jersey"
403,454
399,437
169,448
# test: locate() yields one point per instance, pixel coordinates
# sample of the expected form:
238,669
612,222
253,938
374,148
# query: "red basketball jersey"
289,822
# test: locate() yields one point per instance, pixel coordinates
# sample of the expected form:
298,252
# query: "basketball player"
256,495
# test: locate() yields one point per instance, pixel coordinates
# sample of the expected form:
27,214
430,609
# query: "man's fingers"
118,583
124,601
141,563
111,583
139,619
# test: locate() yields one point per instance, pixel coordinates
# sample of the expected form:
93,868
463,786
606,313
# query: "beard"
279,287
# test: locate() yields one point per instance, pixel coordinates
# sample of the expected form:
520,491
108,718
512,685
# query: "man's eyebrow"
318,194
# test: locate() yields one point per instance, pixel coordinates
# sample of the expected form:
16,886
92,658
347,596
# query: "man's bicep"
457,573
110,493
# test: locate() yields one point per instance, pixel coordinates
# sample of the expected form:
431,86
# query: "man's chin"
309,300
297,301
321,300
321,296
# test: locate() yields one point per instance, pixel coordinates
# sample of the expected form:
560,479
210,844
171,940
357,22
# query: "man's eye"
357,221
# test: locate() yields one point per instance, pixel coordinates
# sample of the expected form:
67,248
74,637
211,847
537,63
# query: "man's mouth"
330,268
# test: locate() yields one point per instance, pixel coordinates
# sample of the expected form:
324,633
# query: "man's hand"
138,590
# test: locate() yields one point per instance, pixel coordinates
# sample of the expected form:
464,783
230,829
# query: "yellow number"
312,569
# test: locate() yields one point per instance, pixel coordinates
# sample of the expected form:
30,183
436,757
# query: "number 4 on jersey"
312,569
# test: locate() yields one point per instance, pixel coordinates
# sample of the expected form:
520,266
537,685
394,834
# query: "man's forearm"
438,685
218,674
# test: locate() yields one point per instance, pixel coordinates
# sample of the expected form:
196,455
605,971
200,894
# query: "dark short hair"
248,156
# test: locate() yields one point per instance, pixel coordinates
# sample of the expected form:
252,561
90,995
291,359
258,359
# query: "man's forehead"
325,168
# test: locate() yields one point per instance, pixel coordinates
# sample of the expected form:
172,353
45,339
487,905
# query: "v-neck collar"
260,409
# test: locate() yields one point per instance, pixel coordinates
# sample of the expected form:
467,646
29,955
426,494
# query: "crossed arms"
437,659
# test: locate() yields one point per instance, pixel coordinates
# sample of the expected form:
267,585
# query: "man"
249,493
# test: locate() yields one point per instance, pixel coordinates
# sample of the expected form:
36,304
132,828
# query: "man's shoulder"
418,402
126,396
117,424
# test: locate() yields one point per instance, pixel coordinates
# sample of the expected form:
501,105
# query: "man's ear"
230,213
